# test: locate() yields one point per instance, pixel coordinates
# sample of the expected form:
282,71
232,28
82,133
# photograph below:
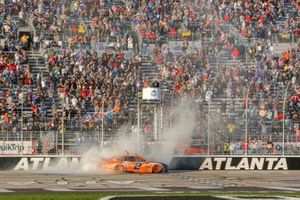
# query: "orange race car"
133,163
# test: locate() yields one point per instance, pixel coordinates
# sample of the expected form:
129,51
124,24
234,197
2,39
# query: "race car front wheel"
157,169
119,168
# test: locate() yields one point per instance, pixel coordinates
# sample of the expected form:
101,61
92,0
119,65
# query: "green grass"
53,196
98,195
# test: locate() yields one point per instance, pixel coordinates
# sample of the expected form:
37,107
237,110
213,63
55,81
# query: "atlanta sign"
235,163
244,164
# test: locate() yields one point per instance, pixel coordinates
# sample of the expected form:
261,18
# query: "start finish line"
43,162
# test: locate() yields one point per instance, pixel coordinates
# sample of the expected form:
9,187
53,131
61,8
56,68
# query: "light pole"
283,120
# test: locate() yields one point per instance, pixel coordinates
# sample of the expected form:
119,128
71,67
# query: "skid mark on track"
200,180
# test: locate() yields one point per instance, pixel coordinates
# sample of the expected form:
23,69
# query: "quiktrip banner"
17,147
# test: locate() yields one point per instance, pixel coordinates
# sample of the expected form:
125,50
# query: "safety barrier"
235,163
32,163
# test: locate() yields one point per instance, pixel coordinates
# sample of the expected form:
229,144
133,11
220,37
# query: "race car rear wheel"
157,169
119,168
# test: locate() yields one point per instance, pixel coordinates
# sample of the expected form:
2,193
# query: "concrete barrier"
28,163
235,163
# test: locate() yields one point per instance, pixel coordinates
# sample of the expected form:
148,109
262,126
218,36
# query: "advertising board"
235,163
151,94
16,147
28,163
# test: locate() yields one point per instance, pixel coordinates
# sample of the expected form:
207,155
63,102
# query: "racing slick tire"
119,168
157,169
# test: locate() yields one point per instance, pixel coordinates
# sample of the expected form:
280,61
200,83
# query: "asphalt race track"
175,181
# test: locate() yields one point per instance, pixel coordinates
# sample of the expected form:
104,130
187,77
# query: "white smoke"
182,130
92,158
161,151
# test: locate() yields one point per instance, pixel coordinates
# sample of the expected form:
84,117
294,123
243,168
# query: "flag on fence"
47,142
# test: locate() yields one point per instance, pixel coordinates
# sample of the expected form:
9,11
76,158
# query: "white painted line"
229,198
261,198
5,190
90,182
152,189
205,187
59,189
108,198
62,182
120,182
20,182
284,188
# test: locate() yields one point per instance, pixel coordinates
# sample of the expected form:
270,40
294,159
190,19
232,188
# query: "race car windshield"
131,159
139,160
123,158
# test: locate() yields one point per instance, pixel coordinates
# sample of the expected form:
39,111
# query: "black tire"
119,169
165,170
157,169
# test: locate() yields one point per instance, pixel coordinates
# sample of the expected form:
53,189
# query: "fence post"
283,120
138,121
102,126
56,142
161,120
22,128
208,127
201,39
155,123
246,119
171,110
293,38
63,133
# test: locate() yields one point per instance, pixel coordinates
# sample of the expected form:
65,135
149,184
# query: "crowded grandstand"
73,73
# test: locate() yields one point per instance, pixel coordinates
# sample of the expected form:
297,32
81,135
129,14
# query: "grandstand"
72,72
